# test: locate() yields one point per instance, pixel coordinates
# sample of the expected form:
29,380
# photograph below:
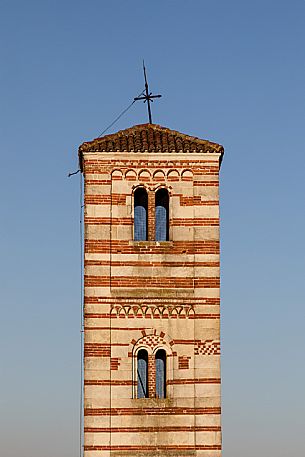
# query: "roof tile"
150,138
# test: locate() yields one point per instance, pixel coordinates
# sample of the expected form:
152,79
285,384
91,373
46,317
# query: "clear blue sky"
232,72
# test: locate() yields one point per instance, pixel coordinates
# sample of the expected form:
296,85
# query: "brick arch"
117,174
163,186
130,175
151,341
187,175
159,175
144,175
173,175
136,186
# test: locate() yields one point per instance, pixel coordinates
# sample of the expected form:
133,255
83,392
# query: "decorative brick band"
208,347
152,311
200,165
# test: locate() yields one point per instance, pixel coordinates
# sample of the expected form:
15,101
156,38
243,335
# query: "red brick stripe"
114,199
131,263
153,300
149,315
113,344
190,342
128,382
109,382
176,447
97,182
106,165
102,182
195,222
194,381
176,247
142,282
108,221
96,350
196,200
144,411
206,183
152,429
128,329
199,222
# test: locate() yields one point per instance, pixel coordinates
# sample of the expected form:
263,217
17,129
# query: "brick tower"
151,301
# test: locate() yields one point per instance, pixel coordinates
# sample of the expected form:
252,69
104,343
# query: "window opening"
161,374
142,371
140,214
162,215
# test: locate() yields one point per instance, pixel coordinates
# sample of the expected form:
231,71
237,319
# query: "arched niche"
173,175
117,174
144,175
130,175
187,175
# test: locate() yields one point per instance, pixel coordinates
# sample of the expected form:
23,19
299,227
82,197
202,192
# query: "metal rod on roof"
148,97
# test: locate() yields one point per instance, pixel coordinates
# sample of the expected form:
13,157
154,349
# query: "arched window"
140,214
142,372
161,374
162,215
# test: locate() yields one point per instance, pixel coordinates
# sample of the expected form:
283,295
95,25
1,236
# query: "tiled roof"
150,138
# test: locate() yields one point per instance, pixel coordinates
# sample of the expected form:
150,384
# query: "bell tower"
151,297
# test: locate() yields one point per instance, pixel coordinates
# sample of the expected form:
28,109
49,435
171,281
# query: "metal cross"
148,97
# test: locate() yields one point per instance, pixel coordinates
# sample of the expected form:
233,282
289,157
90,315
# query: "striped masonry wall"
148,294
